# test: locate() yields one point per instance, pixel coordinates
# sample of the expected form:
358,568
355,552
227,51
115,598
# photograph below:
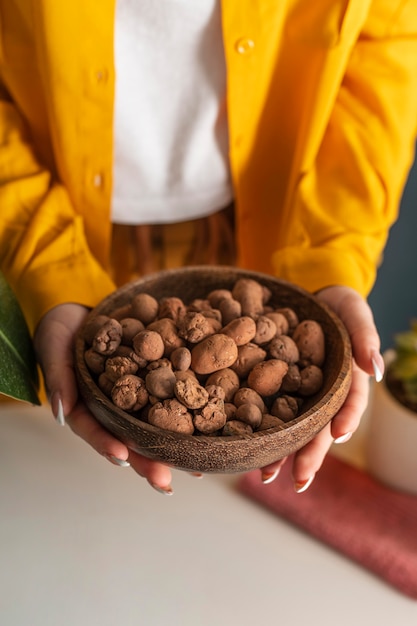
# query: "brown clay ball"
236,428
213,353
108,337
145,308
249,414
129,393
149,345
266,377
171,415
211,417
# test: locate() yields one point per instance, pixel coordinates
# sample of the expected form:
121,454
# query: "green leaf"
405,368
406,342
18,368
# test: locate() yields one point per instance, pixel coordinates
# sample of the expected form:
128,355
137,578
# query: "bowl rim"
342,379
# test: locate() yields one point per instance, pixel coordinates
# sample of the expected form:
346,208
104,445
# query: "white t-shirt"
170,119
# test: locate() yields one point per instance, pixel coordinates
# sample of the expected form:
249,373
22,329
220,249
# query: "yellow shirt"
322,106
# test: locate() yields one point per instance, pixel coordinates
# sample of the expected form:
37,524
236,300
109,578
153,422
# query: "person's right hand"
54,346
357,316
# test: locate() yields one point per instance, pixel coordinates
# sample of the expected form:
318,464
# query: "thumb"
358,318
53,342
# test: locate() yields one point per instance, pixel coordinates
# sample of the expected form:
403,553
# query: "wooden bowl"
223,454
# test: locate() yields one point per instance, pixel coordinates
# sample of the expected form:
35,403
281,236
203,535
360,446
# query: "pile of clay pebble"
229,364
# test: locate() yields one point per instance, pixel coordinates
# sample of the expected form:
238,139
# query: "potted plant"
18,368
392,436
401,377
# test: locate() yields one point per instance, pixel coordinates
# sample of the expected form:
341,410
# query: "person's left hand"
357,316
54,346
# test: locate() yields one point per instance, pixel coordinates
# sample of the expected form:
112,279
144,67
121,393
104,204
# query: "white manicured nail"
300,487
343,438
269,477
60,417
166,491
377,370
116,461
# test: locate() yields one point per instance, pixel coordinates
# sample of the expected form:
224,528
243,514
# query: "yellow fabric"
322,104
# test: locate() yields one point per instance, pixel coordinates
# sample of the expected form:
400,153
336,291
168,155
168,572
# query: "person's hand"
54,346
367,360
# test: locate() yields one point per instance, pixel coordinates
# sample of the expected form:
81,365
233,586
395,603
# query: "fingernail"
378,366
116,461
58,410
196,474
166,491
342,438
303,486
269,477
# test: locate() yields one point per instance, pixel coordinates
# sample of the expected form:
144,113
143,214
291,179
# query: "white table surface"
85,543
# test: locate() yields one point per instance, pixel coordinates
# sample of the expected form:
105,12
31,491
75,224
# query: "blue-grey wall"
394,296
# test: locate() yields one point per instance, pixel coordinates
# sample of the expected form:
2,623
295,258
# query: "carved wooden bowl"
223,454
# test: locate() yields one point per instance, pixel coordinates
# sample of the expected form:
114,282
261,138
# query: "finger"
270,472
348,418
54,348
83,424
309,459
358,318
157,474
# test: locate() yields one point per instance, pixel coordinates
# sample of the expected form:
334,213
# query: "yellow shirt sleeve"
43,250
345,203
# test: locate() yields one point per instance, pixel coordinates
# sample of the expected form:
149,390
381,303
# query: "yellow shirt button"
98,180
244,45
102,75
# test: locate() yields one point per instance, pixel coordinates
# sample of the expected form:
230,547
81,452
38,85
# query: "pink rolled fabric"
350,511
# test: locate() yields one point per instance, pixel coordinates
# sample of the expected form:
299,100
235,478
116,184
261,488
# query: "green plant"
18,368
402,371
